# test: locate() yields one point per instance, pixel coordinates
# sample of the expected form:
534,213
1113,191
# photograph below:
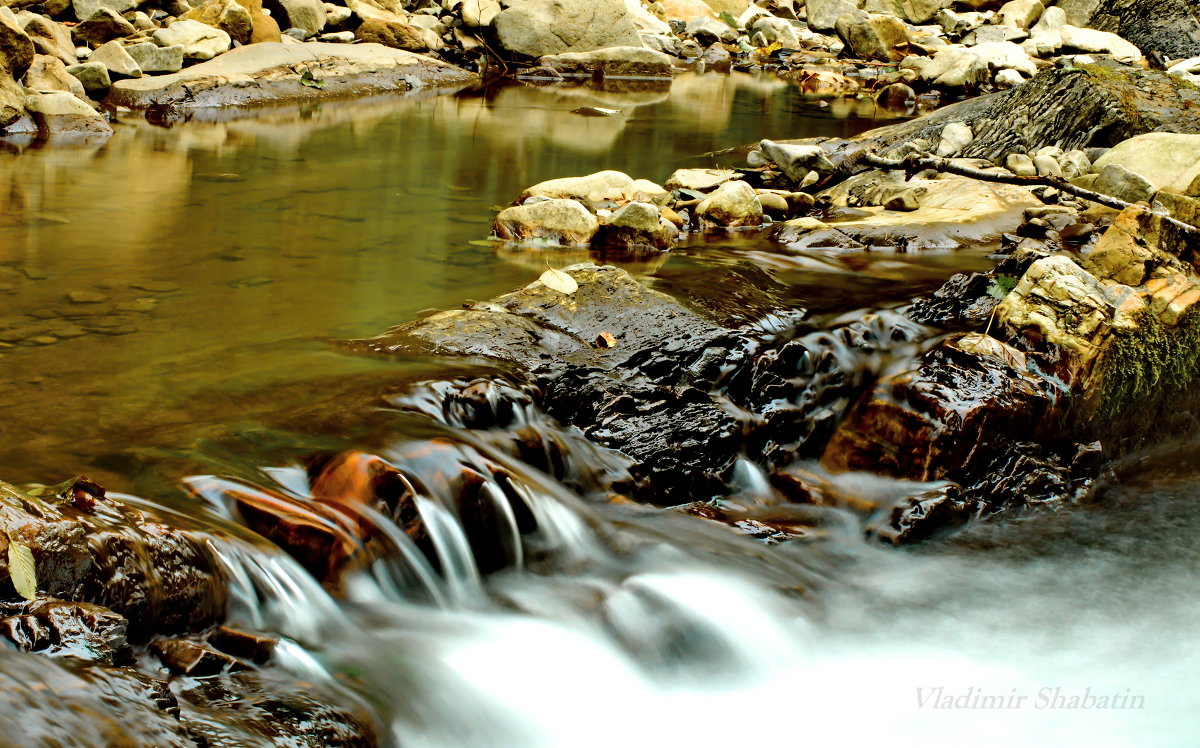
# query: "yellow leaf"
559,281
22,569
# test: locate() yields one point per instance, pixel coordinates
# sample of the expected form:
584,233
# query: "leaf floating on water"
307,79
22,569
595,111
559,281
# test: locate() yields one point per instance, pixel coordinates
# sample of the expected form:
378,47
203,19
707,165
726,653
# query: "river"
231,251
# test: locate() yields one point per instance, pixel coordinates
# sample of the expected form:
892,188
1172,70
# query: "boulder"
1021,14
954,138
1171,27
16,49
1167,161
876,37
557,220
104,25
700,180
686,10
597,188
63,112
733,204
956,66
536,28
50,74
913,11
94,77
199,40
152,58
613,62
1046,34
229,16
1091,40
50,38
85,9
797,161
308,15
276,70
823,15
636,225
393,34
479,13
776,30
1120,182
116,60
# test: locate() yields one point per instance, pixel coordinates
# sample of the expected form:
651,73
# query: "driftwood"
916,163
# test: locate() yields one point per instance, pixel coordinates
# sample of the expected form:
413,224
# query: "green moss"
1140,372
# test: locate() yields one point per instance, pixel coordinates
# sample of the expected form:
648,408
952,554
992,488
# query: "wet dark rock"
59,628
186,657
244,645
1170,27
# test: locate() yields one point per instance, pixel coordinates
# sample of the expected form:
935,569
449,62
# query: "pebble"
155,286
66,333
87,297
43,340
144,304
34,274
251,282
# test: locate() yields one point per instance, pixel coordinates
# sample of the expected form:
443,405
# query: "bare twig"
915,163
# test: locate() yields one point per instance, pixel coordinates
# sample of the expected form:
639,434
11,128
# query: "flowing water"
232,250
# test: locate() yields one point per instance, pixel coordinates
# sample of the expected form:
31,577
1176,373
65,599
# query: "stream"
231,251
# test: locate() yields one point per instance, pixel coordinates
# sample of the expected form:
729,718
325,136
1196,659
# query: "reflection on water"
214,257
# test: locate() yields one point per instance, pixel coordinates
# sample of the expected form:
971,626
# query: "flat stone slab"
274,72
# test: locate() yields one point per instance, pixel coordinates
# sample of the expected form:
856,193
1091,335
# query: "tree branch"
914,163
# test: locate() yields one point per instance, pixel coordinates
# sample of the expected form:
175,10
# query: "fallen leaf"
559,281
22,569
307,79
606,340
728,18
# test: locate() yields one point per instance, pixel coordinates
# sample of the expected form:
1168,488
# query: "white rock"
199,41
955,137
1090,40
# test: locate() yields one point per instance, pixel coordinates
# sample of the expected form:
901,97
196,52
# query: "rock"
777,30
1021,14
710,31
276,69
612,62
105,24
955,137
955,66
152,58
596,188
636,225
479,13
1166,161
58,628
1122,183
1096,105
954,212
16,49
1171,27
823,15
85,9
1090,40
913,11
395,35
536,28
61,112
50,38
94,77
86,297
699,180
686,10
116,60
1046,34
1020,164
1047,166
50,74
558,220
903,201
876,37
308,15
199,41
732,204
189,658
337,37
1008,79
895,96
229,16
796,161
774,204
